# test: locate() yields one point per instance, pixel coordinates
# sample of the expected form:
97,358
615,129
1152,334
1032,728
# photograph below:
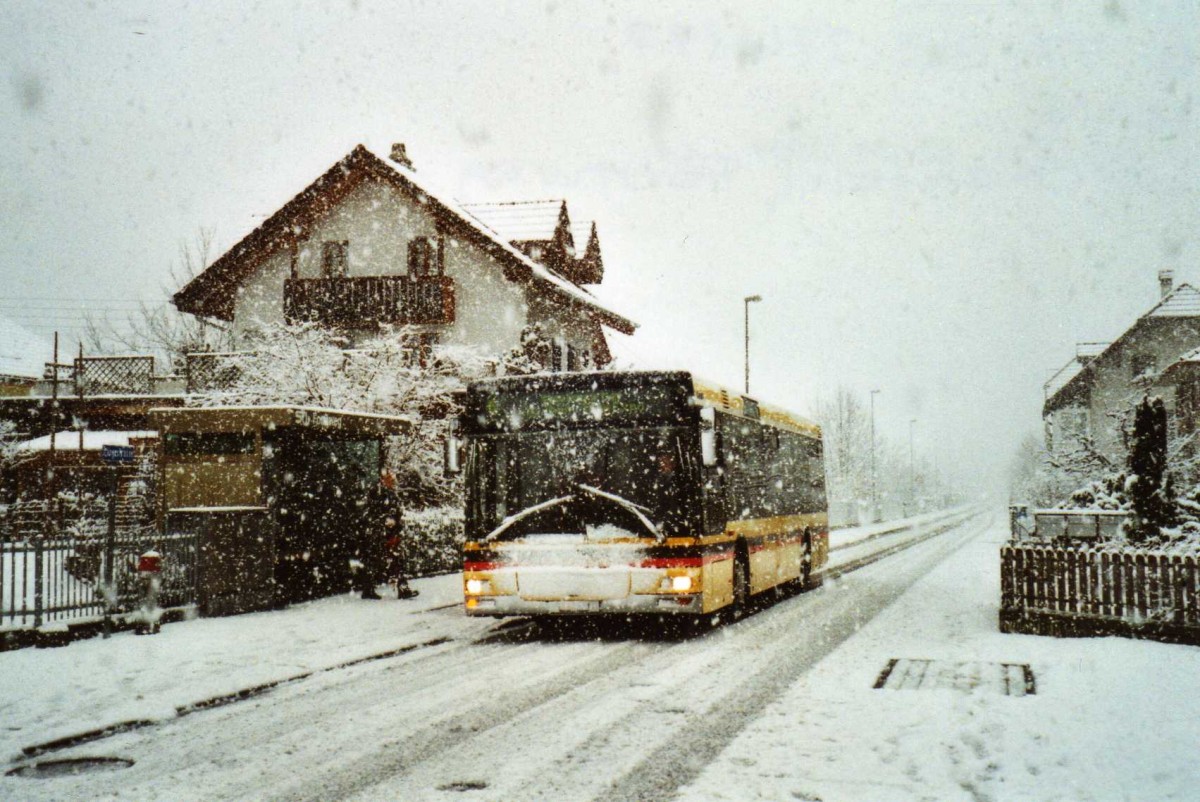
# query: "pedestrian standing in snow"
382,507
397,547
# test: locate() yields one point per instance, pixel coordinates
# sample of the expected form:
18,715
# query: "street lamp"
912,482
749,299
874,495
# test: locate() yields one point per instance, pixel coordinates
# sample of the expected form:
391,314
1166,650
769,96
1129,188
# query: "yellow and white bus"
633,492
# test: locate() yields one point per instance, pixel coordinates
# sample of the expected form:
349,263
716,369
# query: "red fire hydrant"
149,568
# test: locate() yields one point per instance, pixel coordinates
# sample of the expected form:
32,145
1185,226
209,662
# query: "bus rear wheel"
806,562
741,581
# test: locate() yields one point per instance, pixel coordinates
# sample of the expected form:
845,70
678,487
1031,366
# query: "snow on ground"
52,693
1111,719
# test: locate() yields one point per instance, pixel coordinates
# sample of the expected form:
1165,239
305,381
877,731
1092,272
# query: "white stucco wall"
379,221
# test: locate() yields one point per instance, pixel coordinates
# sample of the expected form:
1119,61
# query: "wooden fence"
1046,590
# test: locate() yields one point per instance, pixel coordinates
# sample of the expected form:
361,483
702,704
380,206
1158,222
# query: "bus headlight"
681,584
476,586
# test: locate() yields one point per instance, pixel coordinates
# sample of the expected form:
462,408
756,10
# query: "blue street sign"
116,455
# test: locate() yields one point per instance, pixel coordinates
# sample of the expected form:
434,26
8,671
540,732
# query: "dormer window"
335,258
536,253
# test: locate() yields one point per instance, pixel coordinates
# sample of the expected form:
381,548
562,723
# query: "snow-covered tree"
309,365
846,428
1149,485
1035,479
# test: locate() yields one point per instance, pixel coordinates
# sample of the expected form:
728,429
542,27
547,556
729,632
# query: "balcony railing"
367,301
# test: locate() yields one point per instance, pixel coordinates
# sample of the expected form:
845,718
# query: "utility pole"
749,299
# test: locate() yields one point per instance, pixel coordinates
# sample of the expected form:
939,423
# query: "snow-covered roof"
208,294
519,221
539,271
21,353
1183,301
68,440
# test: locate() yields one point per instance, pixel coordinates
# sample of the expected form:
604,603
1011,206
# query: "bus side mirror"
708,436
451,455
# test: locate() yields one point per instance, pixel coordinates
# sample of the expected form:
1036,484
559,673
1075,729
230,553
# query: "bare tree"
846,427
160,329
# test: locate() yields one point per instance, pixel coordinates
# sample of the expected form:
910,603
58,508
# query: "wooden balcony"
365,301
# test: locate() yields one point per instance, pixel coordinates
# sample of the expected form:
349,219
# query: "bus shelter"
274,496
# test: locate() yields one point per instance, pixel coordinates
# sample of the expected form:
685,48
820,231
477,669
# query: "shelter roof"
68,440
246,418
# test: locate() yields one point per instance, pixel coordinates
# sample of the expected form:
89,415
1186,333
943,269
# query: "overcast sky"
934,199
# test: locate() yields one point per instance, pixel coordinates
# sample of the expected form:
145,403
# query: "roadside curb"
107,731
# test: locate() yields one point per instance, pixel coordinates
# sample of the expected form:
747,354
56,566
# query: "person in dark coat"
380,521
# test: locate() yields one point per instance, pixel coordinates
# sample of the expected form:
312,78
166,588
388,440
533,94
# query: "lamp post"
912,481
749,299
874,495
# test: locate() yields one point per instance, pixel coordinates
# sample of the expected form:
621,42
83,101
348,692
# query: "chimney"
1166,281
400,157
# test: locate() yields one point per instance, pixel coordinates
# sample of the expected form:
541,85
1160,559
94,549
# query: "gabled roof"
1183,301
210,293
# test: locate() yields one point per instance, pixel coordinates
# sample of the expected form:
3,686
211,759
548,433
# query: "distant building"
1090,401
369,244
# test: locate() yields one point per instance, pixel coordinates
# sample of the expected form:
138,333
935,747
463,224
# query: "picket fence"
1048,590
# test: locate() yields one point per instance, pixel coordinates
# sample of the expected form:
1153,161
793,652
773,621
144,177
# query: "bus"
633,493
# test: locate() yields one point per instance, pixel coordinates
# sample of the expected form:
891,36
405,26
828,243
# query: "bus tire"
806,561
741,579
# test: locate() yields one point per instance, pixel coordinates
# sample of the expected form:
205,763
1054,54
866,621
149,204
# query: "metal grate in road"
1008,679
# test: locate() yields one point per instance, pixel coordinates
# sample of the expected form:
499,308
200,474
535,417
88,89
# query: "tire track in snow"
695,694
659,775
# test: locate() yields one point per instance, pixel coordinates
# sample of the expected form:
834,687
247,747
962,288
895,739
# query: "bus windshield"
650,467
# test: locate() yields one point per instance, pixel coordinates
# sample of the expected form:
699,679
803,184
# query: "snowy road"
515,715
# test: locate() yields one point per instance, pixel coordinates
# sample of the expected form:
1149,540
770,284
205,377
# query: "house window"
1142,364
557,356
572,359
335,258
425,257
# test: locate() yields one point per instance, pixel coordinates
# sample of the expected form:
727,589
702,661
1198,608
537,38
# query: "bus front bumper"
630,605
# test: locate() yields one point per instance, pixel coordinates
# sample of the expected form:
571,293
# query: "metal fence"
1083,591
48,576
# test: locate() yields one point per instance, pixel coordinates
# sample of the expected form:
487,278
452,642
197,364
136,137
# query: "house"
369,244
1090,400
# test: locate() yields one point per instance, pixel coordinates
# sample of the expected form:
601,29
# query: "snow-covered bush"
1106,493
1036,479
435,540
